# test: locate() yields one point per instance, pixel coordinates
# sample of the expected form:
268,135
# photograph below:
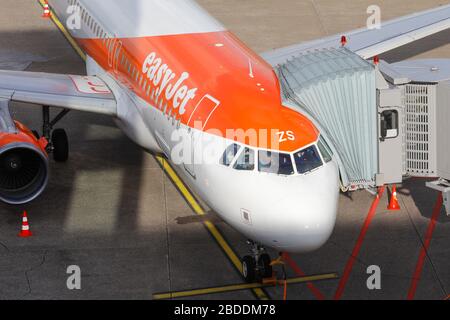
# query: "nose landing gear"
257,266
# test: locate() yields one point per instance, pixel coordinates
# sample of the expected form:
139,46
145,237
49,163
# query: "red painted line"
426,245
359,242
287,258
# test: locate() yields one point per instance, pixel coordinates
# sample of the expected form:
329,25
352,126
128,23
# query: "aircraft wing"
369,43
83,93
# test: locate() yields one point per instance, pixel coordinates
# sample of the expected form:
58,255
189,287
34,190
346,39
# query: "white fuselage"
294,213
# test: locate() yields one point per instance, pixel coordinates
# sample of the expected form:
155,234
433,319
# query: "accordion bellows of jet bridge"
336,89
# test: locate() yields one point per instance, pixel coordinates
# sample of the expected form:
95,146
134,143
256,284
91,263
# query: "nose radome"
311,224
307,214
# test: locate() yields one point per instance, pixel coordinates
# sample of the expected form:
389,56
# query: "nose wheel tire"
60,144
249,269
264,265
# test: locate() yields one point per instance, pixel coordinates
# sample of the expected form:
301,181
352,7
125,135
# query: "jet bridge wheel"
249,269
60,144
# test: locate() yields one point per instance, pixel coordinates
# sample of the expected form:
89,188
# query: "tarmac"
113,211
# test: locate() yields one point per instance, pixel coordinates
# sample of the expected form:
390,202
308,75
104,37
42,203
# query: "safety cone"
46,13
25,232
393,203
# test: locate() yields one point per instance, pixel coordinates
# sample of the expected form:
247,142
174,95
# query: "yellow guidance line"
210,226
237,287
65,32
169,171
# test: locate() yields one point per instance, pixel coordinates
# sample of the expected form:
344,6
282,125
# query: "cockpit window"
246,160
274,162
229,154
324,149
307,159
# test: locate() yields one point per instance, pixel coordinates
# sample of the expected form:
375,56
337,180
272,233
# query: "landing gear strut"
256,266
58,143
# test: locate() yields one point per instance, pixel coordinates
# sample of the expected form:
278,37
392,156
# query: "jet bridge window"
246,160
274,162
307,159
389,124
229,154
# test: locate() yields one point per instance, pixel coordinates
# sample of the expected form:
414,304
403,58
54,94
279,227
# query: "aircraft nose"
311,225
307,215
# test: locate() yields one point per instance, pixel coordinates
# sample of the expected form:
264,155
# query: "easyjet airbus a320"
179,84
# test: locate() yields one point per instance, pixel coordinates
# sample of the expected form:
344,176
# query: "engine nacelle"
24,167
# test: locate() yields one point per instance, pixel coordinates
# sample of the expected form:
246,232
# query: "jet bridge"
336,89
383,122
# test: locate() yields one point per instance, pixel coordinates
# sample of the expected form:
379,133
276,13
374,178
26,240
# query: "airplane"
179,84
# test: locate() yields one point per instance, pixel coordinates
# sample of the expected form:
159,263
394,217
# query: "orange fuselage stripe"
175,73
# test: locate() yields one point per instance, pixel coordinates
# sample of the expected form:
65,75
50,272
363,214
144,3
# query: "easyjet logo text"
167,84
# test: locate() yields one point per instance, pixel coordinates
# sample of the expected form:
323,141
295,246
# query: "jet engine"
23,165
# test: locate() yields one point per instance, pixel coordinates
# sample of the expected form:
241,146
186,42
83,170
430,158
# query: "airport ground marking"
238,287
259,293
288,259
358,245
424,250
64,31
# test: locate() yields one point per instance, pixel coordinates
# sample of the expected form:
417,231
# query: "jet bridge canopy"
336,89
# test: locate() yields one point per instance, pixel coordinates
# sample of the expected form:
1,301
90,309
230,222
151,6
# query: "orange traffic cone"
25,233
46,13
393,203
